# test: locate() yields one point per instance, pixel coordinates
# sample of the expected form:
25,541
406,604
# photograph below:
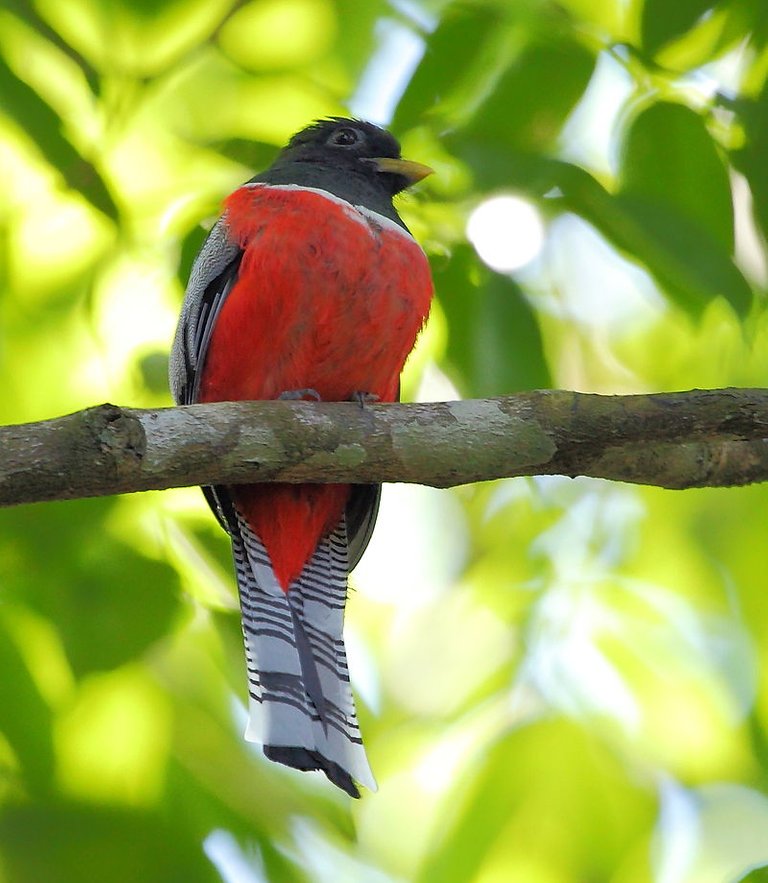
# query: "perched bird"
308,286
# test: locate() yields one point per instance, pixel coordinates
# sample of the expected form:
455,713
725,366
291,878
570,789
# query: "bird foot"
364,398
298,395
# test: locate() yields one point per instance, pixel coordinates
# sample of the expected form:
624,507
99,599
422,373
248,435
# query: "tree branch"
673,440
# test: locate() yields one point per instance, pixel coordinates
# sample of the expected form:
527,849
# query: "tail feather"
301,707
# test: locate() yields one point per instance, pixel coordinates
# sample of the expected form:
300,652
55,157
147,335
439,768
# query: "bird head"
355,160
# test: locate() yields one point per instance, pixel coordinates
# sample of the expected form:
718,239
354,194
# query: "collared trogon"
309,286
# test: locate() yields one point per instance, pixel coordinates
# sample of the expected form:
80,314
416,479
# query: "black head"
352,159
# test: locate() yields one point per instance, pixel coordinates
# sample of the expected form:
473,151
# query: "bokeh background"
558,680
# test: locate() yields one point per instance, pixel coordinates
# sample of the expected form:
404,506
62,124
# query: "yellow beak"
412,171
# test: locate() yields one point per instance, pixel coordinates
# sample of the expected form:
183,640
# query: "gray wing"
214,272
361,512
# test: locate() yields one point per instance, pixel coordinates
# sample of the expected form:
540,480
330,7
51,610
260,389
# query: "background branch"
673,440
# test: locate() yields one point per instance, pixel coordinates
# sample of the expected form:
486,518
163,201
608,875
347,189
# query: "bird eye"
345,137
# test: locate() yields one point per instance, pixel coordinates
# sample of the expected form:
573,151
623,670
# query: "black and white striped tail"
301,707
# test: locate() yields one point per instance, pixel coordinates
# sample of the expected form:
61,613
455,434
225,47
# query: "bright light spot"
389,70
426,529
589,135
565,663
711,833
435,386
588,282
133,312
234,865
750,255
324,859
365,674
437,769
507,232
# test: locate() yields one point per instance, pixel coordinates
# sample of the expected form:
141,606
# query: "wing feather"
213,275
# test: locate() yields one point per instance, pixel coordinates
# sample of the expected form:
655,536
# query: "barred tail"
301,707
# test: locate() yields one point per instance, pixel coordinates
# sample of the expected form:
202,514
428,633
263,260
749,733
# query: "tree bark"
674,440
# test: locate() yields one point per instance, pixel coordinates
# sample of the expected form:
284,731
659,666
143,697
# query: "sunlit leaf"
727,826
613,18
690,265
663,21
43,126
254,35
27,13
532,788
137,38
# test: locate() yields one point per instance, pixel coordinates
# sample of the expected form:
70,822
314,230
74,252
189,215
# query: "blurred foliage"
559,680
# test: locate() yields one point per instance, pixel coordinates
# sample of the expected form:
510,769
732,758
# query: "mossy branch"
698,438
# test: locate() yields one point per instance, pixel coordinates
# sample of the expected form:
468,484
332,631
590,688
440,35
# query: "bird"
310,287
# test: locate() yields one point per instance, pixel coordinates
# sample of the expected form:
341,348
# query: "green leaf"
750,160
689,263
68,842
25,718
88,584
153,368
495,166
254,155
25,11
357,34
449,61
114,583
670,158
43,126
494,339
546,792
663,21
203,800
533,97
